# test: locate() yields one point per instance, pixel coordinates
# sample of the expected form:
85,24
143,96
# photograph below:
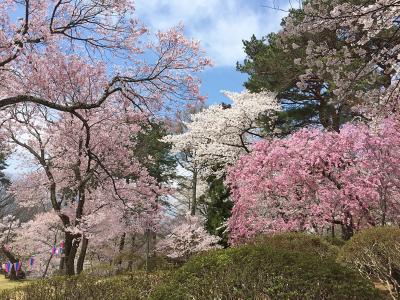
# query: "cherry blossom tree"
75,119
362,66
186,238
125,60
219,134
83,161
36,238
314,179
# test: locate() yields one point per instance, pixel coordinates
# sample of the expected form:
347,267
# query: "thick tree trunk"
82,255
71,245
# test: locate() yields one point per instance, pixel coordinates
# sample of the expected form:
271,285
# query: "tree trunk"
347,232
47,266
121,247
82,255
12,259
71,245
194,193
130,263
147,250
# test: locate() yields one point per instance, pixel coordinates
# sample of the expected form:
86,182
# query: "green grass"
6,284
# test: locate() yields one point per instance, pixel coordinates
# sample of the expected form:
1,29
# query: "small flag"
8,267
17,266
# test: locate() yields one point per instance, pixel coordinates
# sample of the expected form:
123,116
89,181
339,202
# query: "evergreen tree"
280,61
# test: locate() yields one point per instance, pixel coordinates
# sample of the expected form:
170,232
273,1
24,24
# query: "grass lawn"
8,284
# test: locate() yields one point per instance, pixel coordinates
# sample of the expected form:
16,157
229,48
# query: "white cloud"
221,25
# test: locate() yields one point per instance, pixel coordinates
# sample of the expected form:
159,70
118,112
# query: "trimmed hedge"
127,287
274,270
300,242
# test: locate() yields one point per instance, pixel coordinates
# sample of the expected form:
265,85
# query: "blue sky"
220,25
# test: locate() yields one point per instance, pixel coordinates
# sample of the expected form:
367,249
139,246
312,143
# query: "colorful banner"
17,266
8,266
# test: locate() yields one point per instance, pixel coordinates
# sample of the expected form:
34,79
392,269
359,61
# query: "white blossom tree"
187,237
219,134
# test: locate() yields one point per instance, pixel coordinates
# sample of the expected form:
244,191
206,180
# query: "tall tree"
79,115
306,65
218,206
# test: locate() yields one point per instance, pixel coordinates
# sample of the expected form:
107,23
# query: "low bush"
375,253
300,242
279,267
128,287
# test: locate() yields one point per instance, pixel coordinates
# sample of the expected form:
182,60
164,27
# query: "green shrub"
134,286
279,267
300,242
375,253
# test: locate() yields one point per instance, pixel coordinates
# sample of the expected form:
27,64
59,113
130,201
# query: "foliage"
375,253
262,271
153,153
218,207
329,58
299,242
127,287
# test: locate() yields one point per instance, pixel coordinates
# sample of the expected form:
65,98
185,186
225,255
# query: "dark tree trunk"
130,262
347,232
82,255
71,245
47,266
147,250
121,247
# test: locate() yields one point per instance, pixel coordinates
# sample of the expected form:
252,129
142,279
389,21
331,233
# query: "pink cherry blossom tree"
314,179
79,79
43,41
83,161
35,239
